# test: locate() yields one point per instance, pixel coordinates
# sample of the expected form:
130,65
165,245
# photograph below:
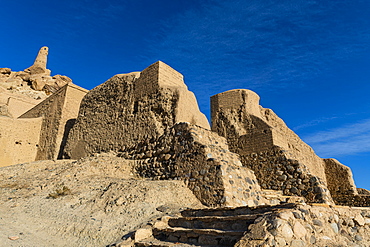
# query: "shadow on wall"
67,128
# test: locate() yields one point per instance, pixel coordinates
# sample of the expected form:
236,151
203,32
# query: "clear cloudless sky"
309,60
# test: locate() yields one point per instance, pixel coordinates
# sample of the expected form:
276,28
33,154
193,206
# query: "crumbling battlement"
339,178
342,186
268,146
201,158
130,108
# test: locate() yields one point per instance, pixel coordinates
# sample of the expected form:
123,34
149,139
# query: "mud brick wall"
19,140
275,171
202,160
339,178
352,200
57,111
131,108
252,130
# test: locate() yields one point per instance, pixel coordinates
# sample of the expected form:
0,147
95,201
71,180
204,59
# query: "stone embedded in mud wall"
276,171
201,158
281,160
131,108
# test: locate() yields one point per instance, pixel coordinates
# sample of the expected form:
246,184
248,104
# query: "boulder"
5,71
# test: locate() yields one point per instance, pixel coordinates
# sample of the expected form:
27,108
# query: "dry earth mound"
90,202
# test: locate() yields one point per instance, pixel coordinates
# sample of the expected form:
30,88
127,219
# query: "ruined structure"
34,126
280,159
253,173
131,108
39,65
201,158
19,140
59,113
22,90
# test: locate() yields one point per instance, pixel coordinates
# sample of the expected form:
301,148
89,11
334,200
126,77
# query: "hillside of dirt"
94,201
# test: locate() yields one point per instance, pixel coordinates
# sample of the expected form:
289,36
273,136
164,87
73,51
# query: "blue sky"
308,60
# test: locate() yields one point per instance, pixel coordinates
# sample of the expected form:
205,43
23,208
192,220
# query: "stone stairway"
275,197
206,227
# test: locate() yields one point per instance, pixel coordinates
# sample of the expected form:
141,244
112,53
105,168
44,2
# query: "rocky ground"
90,202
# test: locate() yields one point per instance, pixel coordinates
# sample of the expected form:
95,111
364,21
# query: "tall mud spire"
39,66
42,57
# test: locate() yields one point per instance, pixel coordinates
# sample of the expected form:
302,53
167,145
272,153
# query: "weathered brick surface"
131,108
268,146
19,140
201,158
339,178
59,112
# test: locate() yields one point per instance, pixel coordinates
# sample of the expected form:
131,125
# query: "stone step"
278,195
272,192
201,237
158,243
230,211
240,222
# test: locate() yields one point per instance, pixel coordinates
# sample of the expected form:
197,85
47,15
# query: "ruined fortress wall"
131,108
233,98
261,129
342,186
295,148
159,76
105,119
202,160
56,111
186,101
255,131
72,101
339,178
156,76
51,111
19,140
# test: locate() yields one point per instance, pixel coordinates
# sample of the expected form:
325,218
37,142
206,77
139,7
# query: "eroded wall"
339,178
202,160
19,140
58,111
130,108
281,160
